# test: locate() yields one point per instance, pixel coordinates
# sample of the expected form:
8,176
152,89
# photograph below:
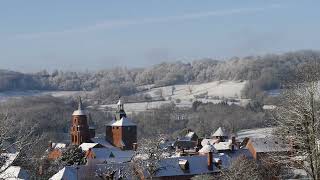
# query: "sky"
92,35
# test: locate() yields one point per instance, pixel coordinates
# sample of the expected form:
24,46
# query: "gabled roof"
103,142
219,133
220,146
87,146
14,173
112,155
197,165
10,157
68,172
269,145
206,141
207,148
123,122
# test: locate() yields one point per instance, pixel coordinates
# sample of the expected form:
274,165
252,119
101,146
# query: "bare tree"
242,168
14,141
298,117
148,156
173,88
159,93
190,89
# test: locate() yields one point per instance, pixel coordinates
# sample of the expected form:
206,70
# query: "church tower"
79,129
122,132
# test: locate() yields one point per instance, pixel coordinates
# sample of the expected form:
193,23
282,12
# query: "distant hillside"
263,72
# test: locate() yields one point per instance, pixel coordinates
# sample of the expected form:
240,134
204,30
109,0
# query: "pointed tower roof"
120,113
119,102
80,111
219,133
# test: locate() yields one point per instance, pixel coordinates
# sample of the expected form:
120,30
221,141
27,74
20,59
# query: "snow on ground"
255,133
221,89
16,94
185,95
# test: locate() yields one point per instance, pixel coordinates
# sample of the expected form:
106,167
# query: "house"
262,147
12,172
189,166
55,150
98,171
220,141
220,134
106,155
189,141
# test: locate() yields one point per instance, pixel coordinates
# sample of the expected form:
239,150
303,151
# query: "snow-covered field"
16,94
185,95
222,89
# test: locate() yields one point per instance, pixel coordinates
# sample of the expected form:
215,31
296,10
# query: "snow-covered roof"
87,146
220,146
219,133
79,113
269,107
206,141
10,157
269,145
14,173
112,155
59,145
255,133
123,122
72,172
207,148
197,165
190,134
103,142
68,172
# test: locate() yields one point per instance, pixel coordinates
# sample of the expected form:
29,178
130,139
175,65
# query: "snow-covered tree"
298,117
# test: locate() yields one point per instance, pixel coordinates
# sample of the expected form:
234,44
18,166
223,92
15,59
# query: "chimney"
233,140
218,162
184,165
135,146
210,163
50,145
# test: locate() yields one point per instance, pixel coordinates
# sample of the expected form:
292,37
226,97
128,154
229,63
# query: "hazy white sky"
80,35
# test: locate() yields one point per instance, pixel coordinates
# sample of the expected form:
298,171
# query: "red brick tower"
121,132
79,129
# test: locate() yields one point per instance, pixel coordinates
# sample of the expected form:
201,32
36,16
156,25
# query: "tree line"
264,72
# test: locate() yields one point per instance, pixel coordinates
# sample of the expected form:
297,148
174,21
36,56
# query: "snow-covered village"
165,90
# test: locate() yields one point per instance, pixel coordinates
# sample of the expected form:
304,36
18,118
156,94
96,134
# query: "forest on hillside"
263,73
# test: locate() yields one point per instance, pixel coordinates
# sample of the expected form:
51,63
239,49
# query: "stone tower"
79,129
121,132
